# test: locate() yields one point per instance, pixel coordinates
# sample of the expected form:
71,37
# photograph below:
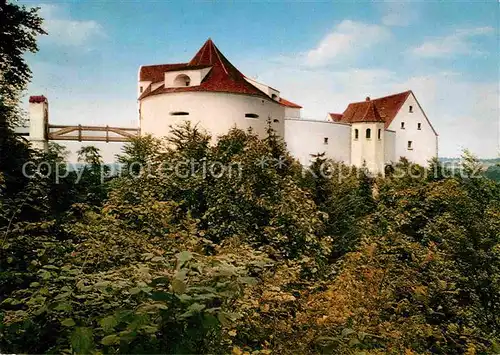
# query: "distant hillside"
487,162
492,166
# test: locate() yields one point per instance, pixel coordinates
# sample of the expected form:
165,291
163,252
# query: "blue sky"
321,55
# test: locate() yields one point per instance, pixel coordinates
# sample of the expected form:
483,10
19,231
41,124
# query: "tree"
20,27
18,32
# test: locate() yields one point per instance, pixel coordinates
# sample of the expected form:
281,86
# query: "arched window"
368,133
276,121
179,113
356,133
182,80
379,134
251,115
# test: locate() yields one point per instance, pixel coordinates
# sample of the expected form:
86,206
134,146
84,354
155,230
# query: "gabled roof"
387,108
287,103
222,77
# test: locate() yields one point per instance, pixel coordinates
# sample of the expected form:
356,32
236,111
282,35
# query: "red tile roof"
387,107
336,117
222,77
287,103
156,73
371,114
38,99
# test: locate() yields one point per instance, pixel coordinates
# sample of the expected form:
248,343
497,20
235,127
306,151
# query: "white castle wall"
216,112
389,147
306,137
292,112
424,141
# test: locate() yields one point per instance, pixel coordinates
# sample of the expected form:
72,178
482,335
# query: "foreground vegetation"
270,259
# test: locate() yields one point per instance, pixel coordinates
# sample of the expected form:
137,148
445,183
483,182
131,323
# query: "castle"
212,93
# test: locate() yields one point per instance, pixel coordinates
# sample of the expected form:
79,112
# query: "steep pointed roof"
210,55
222,77
387,108
371,114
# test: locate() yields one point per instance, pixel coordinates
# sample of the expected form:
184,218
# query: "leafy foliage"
229,245
218,248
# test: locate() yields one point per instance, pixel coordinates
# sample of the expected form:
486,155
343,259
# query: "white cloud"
459,42
399,13
347,38
64,30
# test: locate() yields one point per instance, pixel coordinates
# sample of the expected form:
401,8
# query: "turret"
367,140
39,117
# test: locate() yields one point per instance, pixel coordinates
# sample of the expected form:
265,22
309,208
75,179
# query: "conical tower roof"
371,114
222,77
210,55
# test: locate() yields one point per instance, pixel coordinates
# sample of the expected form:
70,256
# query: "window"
356,134
179,113
325,140
182,80
402,125
411,109
368,133
410,145
379,134
419,126
274,97
251,115
276,121
140,89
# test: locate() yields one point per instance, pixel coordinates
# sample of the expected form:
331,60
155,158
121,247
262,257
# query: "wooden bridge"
90,133
39,131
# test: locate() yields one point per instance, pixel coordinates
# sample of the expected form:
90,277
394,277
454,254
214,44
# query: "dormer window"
182,80
274,97
402,125
411,109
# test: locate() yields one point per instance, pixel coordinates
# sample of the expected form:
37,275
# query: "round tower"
208,91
